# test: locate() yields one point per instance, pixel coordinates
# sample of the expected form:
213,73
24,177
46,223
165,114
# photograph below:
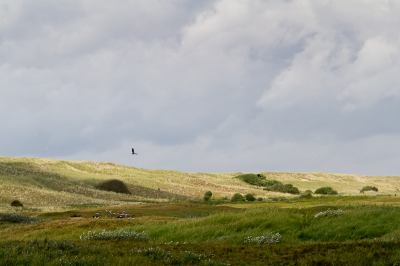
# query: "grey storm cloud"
210,86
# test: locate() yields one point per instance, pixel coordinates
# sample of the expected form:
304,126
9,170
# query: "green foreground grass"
353,234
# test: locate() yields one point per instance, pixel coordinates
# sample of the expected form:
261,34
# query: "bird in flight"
133,151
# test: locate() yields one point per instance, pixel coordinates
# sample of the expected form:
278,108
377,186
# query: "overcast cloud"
203,86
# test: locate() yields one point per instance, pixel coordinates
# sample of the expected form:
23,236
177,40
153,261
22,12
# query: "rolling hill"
49,184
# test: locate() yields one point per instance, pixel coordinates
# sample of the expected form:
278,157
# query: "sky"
203,86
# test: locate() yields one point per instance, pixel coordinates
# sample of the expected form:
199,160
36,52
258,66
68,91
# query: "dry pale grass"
48,184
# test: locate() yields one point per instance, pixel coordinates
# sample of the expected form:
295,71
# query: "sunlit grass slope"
48,184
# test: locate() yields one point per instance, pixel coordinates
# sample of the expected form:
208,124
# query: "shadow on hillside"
27,173
155,193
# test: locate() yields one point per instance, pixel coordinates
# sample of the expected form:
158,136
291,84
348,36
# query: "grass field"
174,226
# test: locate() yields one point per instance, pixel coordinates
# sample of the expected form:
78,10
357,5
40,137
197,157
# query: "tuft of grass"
113,185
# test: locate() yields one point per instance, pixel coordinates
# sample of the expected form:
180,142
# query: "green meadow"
66,219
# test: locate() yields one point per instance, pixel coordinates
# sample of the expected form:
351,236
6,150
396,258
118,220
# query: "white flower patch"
123,234
268,238
330,213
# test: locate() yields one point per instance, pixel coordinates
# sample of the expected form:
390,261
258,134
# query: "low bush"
308,191
207,196
19,218
326,191
288,188
123,234
250,197
257,180
16,203
306,195
113,185
237,197
368,188
260,199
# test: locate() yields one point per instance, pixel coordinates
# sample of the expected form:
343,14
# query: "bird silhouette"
133,151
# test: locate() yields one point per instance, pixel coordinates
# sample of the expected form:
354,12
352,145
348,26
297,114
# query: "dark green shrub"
16,203
257,180
326,191
113,185
306,195
288,188
237,197
19,218
260,199
368,188
207,196
308,191
250,197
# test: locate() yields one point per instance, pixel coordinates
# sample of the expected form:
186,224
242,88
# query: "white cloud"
183,82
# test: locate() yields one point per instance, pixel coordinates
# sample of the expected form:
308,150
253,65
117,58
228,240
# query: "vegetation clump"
288,188
326,191
123,234
250,197
113,185
368,188
19,218
16,203
257,180
329,213
306,195
207,196
237,197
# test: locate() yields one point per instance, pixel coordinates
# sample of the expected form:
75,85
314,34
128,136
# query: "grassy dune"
48,184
